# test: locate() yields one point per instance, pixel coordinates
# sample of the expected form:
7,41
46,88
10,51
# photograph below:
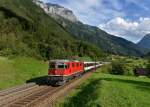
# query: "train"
62,71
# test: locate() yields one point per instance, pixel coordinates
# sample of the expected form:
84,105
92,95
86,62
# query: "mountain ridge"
106,42
145,42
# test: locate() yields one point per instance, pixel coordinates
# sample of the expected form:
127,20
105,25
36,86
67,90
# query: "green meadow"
106,90
18,70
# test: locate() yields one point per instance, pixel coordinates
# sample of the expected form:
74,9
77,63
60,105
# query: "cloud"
92,12
140,3
127,29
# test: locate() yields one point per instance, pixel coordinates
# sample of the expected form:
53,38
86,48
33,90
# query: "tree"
148,65
117,68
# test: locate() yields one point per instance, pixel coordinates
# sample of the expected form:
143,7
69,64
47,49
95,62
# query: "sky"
129,19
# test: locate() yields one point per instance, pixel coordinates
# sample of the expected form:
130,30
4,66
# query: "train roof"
62,61
90,62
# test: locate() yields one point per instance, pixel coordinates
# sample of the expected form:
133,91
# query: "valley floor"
105,90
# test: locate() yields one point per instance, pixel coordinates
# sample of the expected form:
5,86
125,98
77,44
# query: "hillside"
91,34
26,30
147,55
19,70
145,42
103,40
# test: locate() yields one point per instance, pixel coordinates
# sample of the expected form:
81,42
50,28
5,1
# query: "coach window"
72,65
66,67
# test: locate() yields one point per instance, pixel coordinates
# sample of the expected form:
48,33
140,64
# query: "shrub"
129,70
117,68
148,66
106,69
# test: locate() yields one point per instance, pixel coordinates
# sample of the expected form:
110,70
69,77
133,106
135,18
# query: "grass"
85,58
18,70
105,90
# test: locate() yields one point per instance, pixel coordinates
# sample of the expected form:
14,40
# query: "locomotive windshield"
57,65
61,66
52,65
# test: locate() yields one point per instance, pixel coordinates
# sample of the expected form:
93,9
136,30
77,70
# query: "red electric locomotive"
61,71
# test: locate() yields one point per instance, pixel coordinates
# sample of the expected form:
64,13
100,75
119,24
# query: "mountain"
56,11
147,55
25,29
108,43
145,42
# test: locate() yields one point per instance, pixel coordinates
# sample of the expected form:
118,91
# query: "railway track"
27,100
51,99
16,89
34,95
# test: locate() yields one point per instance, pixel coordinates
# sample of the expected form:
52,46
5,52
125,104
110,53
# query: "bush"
117,68
129,70
148,66
106,69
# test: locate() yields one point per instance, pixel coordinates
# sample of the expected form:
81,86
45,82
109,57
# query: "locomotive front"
56,71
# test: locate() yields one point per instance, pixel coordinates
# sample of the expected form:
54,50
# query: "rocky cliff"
57,11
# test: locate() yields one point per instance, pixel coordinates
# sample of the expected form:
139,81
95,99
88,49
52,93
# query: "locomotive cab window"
51,66
61,66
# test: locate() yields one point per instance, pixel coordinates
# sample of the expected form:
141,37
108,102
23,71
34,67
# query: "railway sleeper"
15,89
26,101
20,103
15,105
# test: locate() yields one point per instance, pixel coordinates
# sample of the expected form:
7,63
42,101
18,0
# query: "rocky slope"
57,11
